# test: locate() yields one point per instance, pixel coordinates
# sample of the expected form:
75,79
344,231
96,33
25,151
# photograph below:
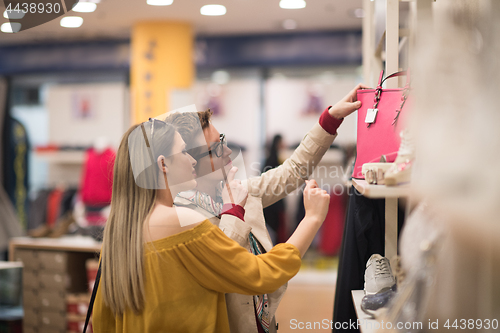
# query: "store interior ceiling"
114,19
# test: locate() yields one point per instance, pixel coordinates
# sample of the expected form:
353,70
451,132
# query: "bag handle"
404,96
92,298
381,81
401,73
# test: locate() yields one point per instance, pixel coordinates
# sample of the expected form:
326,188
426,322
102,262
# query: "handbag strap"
92,298
401,73
378,90
381,81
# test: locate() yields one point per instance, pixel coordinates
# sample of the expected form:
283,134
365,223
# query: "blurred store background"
265,67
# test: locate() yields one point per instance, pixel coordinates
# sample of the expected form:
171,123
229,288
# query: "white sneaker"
378,275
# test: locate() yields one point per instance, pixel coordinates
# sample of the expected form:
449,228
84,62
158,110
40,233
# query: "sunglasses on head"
217,148
149,143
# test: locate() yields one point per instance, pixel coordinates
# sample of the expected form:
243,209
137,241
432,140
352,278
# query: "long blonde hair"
122,277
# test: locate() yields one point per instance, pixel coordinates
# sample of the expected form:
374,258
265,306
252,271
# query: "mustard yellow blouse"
186,276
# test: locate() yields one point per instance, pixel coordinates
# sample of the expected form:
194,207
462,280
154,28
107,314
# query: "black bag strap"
401,73
92,298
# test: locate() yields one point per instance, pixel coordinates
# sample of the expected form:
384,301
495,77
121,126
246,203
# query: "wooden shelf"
62,157
380,191
366,323
68,243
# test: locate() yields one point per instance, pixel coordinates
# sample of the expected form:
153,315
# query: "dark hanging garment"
67,201
38,209
364,235
15,167
9,222
275,214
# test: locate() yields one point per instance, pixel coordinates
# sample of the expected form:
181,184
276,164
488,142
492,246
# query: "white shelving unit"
366,323
381,26
383,41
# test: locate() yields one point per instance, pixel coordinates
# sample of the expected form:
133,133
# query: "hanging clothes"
9,223
54,206
275,214
15,164
333,227
38,209
97,179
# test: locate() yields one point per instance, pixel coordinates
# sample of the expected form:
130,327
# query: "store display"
400,170
409,306
379,285
9,225
92,266
88,322
62,225
375,172
330,238
378,275
76,311
15,160
10,284
97,177
376,304
52,212
48,277
381,118
363,236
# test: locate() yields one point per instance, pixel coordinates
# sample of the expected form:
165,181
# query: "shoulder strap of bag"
92,298
407,73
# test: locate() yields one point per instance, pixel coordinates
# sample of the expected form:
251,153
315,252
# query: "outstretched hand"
233,191
348,104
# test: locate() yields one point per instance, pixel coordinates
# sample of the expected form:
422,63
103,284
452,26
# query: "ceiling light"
71,22
292,4
13,14
10,27
160,2
213,10
84,7
289,24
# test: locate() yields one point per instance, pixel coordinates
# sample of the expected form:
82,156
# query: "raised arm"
276,183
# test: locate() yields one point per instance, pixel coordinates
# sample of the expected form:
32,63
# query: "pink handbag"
380,120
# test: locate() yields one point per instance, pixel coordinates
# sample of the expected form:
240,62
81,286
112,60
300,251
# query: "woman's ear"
161,164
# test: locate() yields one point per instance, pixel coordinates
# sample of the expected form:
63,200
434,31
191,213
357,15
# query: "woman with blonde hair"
166,269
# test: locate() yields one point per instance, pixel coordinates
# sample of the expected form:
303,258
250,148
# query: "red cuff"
329,123
235,210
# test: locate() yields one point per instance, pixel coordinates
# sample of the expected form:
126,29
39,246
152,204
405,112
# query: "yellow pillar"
162,59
